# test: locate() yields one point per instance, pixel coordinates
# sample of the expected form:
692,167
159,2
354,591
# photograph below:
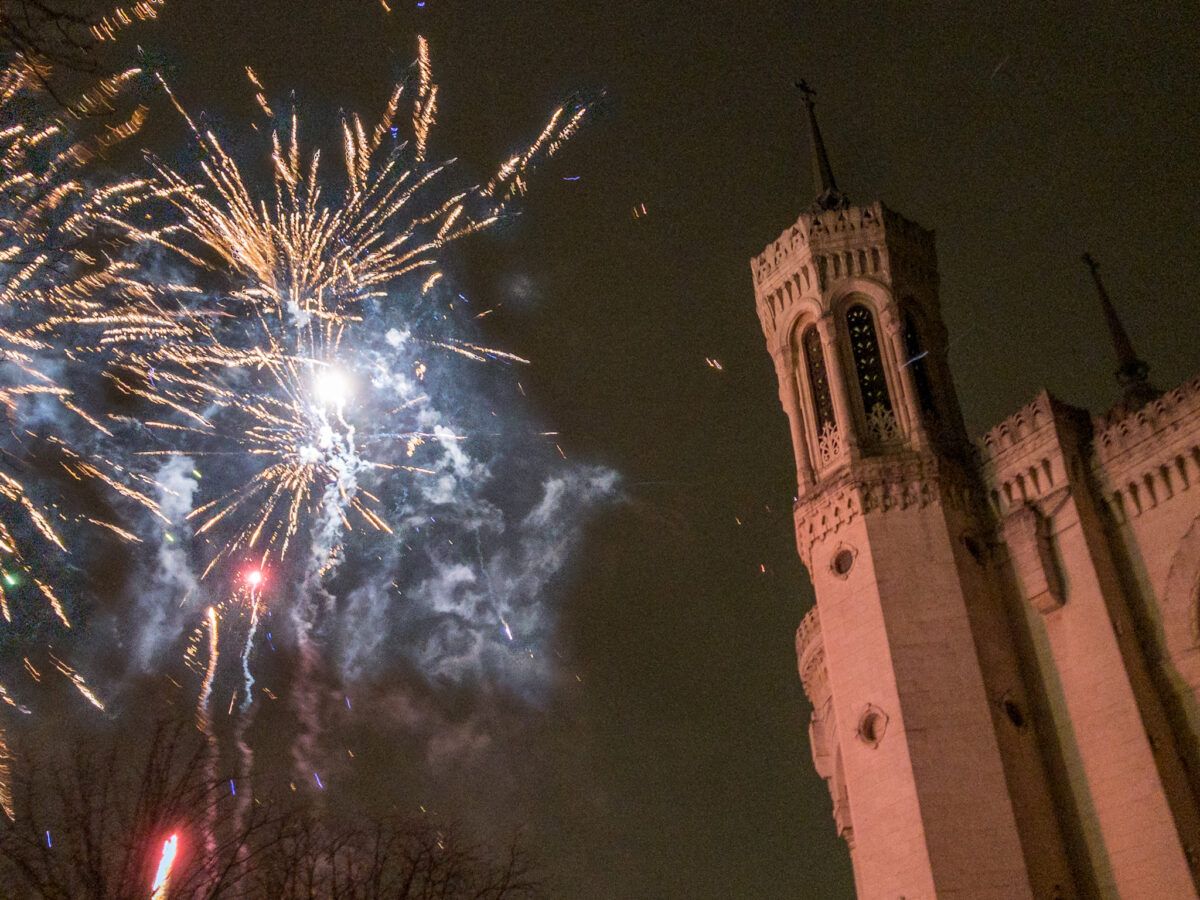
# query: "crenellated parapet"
1029,463
1030,455
1144,458
824,248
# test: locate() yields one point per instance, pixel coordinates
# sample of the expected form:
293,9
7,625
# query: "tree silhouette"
91,823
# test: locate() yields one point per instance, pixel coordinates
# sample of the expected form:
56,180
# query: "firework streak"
162,876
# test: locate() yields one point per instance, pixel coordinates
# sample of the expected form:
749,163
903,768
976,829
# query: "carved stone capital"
889,319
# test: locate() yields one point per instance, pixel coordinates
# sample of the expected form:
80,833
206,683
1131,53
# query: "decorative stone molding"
1028,458
1011,436
877,484
810,658
817,518
821,250
1176,410
883,427
829,445
1138,460
813,232
1128,495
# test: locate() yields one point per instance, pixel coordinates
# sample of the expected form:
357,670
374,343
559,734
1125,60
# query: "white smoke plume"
165,607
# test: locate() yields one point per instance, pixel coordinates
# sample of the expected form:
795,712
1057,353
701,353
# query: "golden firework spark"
78,680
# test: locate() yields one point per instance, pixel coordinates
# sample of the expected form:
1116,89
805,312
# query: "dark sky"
1023,134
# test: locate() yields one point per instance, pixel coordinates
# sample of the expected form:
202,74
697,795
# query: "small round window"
872,725
843,562
1014,712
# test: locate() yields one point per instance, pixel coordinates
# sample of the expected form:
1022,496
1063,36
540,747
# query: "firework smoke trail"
203,710
254,579
205,724
162,876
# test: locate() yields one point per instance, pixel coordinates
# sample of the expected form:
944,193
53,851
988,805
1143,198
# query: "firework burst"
263,370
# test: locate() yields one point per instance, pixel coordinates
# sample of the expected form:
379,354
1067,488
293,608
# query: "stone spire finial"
828,195
1132,372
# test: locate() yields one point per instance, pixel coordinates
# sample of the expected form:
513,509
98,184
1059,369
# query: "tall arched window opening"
818,379
868,367
918,363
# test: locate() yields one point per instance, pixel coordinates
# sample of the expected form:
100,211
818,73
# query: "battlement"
832,230
1138,460
1146,457
1136,433
1025,457
825,247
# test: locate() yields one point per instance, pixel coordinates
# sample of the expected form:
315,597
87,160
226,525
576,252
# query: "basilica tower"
952,765
908,726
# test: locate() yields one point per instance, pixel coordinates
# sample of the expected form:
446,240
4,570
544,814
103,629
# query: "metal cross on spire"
828,195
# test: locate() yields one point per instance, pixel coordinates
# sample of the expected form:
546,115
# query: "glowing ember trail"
76,679
203,714
57,268
6,800
162,878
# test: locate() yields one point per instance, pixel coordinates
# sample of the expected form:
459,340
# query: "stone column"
788,398
909,406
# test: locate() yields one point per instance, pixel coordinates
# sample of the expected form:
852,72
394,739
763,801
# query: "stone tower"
997,709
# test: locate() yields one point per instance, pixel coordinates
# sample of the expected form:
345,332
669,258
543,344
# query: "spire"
828,195
1132,372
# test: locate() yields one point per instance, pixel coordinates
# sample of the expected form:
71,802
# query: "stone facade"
1004,657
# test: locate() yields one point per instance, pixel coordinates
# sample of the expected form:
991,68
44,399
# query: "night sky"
677,764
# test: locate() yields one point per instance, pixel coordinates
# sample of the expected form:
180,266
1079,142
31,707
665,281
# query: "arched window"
818,379
872,382
918,364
